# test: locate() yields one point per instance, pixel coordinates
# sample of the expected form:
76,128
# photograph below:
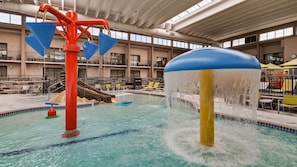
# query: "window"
226,44
179,44
3,71
4,17
82,72
135,74
54,73
3,51
94,31
275,58
32,19
135,60
250,39
195,46
279,33
117,74
117,59
55,54
288,31
10,18
161,62
161,41
237,42
271,35
117,34
191,10
140,38
160,74
276,34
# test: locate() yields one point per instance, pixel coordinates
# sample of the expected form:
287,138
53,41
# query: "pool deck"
14,102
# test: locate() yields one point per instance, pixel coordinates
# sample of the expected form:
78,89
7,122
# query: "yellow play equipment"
206,108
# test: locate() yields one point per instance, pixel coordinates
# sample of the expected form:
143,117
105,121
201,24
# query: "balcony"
10,56
118,62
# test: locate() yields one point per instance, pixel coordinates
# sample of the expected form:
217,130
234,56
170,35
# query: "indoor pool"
140,134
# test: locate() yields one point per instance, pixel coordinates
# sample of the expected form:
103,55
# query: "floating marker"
90,48
123,103
106,43
43,32
34,43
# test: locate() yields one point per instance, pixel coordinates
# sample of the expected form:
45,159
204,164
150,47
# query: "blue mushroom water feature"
219,81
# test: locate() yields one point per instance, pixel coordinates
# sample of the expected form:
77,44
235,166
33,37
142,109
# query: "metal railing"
278,85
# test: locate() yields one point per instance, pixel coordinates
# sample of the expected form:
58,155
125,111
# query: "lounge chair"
149,86
107,86
155,86
290,101
118,86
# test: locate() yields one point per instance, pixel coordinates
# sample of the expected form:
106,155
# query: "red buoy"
52,112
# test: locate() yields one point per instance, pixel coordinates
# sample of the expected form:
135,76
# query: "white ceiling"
226,18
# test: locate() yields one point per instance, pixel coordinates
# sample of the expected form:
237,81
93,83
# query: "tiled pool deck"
15,102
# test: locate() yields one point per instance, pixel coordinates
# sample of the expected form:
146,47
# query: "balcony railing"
10,55
115,62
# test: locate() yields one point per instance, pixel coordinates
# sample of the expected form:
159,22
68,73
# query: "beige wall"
13,40
34,70
160,53
272,48
116,49
144,73
92,71
142,51
13,70
250,51
290,48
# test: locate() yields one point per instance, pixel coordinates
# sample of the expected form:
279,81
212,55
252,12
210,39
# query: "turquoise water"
141,134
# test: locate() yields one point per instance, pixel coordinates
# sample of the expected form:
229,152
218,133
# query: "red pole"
71,50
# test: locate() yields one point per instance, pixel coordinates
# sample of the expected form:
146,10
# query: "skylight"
191,10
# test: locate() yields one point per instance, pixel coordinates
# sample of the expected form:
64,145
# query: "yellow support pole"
206,108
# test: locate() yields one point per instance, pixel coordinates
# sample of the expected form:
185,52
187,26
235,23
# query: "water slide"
89,92
84,91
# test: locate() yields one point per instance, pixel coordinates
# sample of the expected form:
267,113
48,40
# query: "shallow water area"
139,135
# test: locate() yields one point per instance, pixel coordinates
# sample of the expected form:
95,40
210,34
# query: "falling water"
236,94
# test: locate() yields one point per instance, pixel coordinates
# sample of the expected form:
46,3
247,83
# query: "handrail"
51,86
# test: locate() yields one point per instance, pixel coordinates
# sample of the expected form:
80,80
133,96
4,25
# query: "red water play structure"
40,39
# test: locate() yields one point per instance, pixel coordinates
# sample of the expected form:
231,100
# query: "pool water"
140,134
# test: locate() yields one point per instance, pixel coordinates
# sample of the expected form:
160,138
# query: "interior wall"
290,48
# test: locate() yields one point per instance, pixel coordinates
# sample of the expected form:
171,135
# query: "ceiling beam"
216,8
62,4
87,7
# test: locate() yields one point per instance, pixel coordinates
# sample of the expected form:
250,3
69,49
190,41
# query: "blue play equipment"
35,44
51,104
105,43
39,29
40,41
212,58
90,48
